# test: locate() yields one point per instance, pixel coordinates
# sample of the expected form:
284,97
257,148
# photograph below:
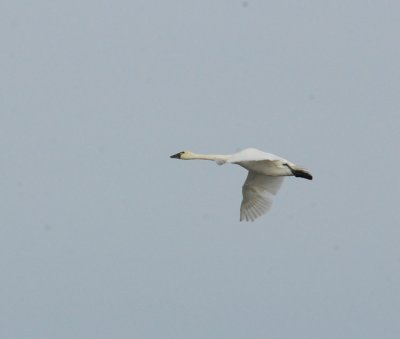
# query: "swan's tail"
299,172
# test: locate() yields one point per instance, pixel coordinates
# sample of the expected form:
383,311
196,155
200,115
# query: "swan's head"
184,155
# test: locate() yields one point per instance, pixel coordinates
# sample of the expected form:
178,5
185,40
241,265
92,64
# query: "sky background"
102,235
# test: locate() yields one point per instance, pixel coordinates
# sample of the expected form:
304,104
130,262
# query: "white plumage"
265,177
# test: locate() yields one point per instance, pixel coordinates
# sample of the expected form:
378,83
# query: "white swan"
266,172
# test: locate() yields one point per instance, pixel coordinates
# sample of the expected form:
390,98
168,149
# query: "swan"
265,177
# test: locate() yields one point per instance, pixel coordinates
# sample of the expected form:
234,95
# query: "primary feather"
258,191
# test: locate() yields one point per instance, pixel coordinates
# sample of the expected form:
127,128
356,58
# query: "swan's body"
265,177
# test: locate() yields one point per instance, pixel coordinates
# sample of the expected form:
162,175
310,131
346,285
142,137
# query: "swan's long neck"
218,158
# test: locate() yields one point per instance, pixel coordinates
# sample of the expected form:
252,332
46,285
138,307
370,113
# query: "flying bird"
265,177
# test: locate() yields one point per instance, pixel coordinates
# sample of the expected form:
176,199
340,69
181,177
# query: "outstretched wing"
258,191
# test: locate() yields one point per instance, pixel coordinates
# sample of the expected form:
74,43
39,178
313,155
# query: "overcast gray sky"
103,236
